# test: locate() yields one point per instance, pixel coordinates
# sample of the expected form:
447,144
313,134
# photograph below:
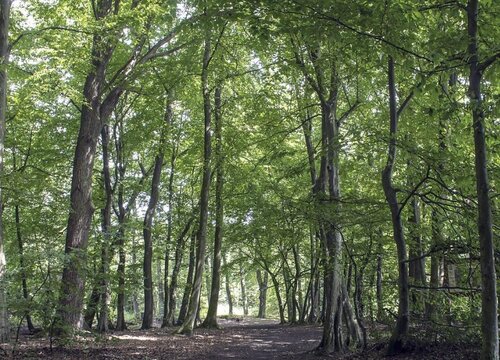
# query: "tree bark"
400,331
489,302
169,318
92,304
211,319
68,315
189,322
262,281
229,298
4,61
147,320
243,287
165,290
380,302
102,324
24,280
189,281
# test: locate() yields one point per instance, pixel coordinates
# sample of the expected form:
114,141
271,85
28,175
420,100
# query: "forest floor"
237,339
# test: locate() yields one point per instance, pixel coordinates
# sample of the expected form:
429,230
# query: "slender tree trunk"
166,290
162,285
434,279
380,302
416,265
229,298
4,61
24,281
436,230
262,281
189,322
489,300
297,291
207,278
281,307
102,324
189,280
120,306
211,319
400,331
355,331
147,320
120,241
243,287
169,318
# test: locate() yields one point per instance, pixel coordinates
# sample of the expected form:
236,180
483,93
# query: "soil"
237,339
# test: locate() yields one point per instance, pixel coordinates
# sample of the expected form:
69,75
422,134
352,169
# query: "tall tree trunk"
162,284
120,305
262,281
297,292
147,320
436,227
229,297
416,265
4,60
169,318
102,324
211,319
489,300
380,302
92,118
166,289
189,281
207,278
400,331
243,287
281,306
24,281
189,322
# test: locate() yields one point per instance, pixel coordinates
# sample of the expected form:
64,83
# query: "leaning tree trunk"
4,60
400,331
211,319
489,300
188,325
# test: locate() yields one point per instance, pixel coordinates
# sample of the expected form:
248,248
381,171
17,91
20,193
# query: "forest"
249,179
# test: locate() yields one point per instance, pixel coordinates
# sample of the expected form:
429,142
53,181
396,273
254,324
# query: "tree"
400,331
194,299
147,321
211,318
5,6
484,223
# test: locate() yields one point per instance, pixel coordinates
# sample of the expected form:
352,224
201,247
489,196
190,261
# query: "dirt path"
246,339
